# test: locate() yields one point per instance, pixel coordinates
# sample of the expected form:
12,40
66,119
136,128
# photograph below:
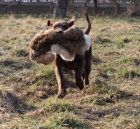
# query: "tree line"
61,6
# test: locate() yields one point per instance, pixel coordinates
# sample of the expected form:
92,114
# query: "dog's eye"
65,27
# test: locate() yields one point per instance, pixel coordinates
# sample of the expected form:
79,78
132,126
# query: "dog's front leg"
59,76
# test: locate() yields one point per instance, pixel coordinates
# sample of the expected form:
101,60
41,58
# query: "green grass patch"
110,69
124,60
57,105
126,40
99,87
47,72
120,45
65,120
1,88
127,73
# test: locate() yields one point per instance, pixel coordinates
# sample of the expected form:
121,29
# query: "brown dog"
81,64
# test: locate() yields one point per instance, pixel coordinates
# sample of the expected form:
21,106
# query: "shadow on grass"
15,65
107,94
111,112
99,40
99,115
108,98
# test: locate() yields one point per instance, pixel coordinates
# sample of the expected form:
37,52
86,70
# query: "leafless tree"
95,7
136,2
134,10
60,8
85,5
116,7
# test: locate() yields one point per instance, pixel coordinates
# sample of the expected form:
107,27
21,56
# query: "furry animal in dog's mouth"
67,44
72,39
45,59
41,56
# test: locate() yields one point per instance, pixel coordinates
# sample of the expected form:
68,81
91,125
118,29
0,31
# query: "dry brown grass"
111,101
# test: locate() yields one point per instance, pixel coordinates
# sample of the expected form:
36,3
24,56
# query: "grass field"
112,100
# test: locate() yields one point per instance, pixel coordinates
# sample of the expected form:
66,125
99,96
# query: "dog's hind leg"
87,68
78,72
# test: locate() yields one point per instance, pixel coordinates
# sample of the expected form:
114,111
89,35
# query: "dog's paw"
81,87
86,81
61,94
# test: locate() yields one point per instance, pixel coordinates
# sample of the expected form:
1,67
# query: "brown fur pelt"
72,39
45,59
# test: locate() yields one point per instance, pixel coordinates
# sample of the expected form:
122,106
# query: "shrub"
133,11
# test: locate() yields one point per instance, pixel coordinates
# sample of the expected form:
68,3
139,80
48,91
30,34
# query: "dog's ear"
71,21
50,22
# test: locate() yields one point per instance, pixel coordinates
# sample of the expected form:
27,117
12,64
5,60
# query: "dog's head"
61,26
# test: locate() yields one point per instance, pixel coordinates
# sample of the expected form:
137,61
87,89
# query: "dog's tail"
87,30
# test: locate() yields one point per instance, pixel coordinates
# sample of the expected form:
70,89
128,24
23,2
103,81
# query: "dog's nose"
59,31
